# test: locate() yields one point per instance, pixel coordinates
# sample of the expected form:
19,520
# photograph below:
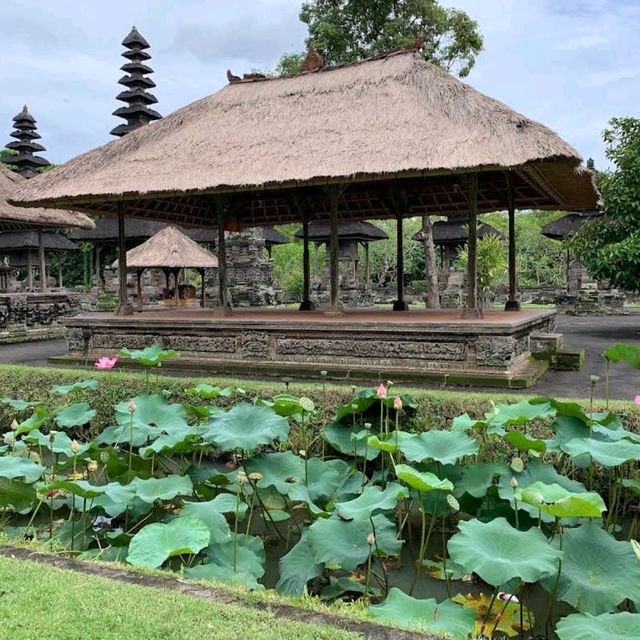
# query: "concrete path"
593,334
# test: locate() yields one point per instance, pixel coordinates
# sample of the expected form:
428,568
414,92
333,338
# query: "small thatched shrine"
171,251
355,288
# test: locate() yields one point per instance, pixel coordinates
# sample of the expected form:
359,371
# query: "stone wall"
25,313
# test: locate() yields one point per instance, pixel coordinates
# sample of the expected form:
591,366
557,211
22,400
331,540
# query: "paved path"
594,334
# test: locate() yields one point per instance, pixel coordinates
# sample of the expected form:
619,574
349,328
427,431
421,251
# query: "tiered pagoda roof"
137,112
25,161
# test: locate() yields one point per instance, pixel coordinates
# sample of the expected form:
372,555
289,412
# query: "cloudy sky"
571,64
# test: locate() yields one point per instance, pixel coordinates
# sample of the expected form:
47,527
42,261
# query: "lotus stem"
368,578
235,528
606,386
130,446
486,616
504,608
424,539
554,593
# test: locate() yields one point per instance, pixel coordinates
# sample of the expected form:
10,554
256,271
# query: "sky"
571,64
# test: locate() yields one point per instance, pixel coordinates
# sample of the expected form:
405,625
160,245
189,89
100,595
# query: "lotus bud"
637,400
52,436
353,388
255,476
381,392
507,597
514,482
92,467
242,477
131,406
397,403
323,374
104,456
371,539
367,426
594,379
8,440
14,425
75,447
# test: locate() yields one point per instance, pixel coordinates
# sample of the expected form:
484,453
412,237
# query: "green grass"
38,602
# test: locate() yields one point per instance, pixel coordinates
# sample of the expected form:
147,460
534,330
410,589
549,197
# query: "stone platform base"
416,345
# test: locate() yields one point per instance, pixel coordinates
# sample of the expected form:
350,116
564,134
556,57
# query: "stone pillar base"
400,305
124,309
512,305
306,305
471,314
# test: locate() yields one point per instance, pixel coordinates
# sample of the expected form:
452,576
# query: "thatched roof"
172,249
138,229
12,217
568,225
393,121
272,236
359,230
456,232
23,240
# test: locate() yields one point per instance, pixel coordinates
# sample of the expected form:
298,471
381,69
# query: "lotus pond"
522,523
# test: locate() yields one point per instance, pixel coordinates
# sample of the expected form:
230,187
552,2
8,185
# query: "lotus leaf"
181,439
350,440
157,542
74,387
443,446
365,399
523,442
12,468
372,500
477,478
209,391
17,405
34,421
606,453
338,542
245,427
296,569
520,413
446,618
560,503
279,470
166,488
385,443
607,626
622,352
152,356
16,494
217,523
61,443
80,488
498,553
421,481
116,499
598,572
75,415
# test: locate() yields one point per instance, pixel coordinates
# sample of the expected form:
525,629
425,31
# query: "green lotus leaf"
498,553
560,503
606,432
74,387
116,498
16,495
296,569
388,444
279,470
34,421
75,415
372,500
61,443
350,440
80,488
523,442
209,391
228,503
166,488
151,356
365,399
288,406
219,565
157,542
607,626
343,585
598,572
465,423
443,619
448,570
181,439
13,468
622,352
245,427
633,484
477,478
421,481
344,543
606,453
16,405
217,523
443,446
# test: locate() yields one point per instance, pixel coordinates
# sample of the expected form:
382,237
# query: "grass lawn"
38,602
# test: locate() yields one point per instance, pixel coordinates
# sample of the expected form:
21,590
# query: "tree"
349,30
609,246
492,264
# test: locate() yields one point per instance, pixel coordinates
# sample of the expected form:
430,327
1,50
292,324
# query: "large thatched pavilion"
389,137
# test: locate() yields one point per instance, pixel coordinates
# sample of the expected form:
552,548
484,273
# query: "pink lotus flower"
637,399
382,391
106,363
507,597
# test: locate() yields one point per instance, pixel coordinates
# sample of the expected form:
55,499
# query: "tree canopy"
609,246
345,31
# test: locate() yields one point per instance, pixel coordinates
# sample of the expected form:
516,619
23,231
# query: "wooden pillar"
334,194
400,304
60,273
223,294
124,307
306,304
43,263
203,294
367,276
139,288
472,309
29,270
98,250
176,286
512,303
